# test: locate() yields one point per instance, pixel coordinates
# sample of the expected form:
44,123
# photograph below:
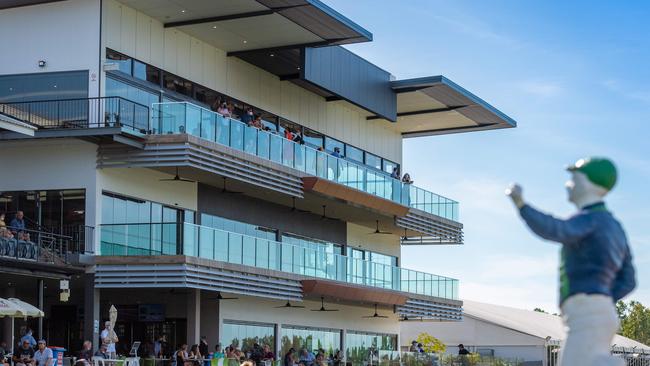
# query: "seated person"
102,352
268,354
307,357
24,355
85,356
4,361
43,355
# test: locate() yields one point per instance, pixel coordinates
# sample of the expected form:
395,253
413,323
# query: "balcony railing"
46,246
80,113
183,117
205,242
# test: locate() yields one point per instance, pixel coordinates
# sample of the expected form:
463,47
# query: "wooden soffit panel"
353,196
351,292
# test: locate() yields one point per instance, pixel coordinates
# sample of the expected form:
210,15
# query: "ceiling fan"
322,306
325,217
375,315
294,208
226,190
377,231
288,305
220,297
176,178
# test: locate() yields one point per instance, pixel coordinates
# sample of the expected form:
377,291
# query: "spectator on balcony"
297,137
256,122
24,236
337,152
288,133
223,110
231,110
248,116
6,234
395,173
3,225
17,225
407,179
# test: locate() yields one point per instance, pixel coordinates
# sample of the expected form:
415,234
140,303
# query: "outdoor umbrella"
15,308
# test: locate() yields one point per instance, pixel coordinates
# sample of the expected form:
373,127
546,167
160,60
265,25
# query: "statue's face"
579,187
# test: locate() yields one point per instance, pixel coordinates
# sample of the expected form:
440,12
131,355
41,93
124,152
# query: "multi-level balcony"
183,117
230,247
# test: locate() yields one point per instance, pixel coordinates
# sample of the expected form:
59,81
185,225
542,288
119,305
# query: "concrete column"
278,341
40,306
91,310
193,316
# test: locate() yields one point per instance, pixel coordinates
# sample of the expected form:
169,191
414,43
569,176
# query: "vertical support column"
40,306
193,316
91,310
210,321
278,342
7,322
344,335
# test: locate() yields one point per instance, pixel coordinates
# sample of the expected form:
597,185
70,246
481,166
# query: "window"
44,86
146,72
313,138
117,88
245,335
359,344
389,166
225,224
123,62
177,84
373,161
353,153
311,339
207,97
330,144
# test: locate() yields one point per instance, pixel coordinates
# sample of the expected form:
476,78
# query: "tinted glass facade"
360,344
44,86
244,335
311,339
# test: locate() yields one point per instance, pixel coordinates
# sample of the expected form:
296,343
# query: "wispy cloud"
626,91
541,88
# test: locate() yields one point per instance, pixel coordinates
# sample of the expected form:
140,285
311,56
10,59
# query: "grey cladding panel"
352,78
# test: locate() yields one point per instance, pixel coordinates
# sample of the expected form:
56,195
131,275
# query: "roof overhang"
436,105
249,25
14,125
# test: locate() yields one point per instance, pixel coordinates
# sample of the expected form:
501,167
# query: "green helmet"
599,171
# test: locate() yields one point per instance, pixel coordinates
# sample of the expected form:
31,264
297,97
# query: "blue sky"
575,77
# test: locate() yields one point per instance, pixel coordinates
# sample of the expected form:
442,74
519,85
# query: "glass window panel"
353,153
177,84
313,138
373,161
245,335
236,134
330,144
223,130
311,339
123,62
388,165
44,86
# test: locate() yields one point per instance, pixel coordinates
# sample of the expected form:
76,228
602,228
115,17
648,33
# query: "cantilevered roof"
247,25
436,105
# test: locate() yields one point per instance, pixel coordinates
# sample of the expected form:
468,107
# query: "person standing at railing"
248,116
596,262
406,189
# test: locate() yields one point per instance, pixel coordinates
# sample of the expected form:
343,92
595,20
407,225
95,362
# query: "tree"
539,310
431,344
635,321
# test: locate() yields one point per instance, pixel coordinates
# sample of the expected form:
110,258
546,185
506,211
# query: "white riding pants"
592,322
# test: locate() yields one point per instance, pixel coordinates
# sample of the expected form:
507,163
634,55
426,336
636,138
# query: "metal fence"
80,113
631,356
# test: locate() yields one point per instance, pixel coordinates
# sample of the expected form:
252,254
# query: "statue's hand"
515,192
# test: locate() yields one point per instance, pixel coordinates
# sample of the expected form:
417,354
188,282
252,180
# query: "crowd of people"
28,352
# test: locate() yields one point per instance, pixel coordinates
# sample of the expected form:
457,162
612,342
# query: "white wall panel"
112,14
143,38
200,62
63,34
128,30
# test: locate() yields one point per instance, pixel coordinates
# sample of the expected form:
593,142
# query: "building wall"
145,184
52,164
264,213
64,34
358,236
138,35
475,334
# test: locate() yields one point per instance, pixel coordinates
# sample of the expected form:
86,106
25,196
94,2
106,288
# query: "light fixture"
272,55
298,68
214,27
183,11
245,41
41,63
